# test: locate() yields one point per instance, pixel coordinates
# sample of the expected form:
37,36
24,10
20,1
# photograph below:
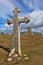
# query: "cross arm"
9,21
25,19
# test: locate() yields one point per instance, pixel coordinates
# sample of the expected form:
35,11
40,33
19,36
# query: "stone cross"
16,31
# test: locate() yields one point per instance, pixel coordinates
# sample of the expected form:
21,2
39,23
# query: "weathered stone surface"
16,30
26,58
24,55
12,51
15,55
19,58
9,59
30,31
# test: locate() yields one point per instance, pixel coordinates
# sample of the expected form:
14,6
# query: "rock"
25,55
26,58
9,59
18,58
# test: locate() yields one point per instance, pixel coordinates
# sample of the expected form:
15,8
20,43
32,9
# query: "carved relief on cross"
16,30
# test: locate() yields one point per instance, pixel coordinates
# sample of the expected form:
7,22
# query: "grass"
31,45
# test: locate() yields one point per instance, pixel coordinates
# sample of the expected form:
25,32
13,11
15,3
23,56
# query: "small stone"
26,58
18,58
9,59
25,55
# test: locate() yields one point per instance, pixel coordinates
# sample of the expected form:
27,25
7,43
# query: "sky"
31,8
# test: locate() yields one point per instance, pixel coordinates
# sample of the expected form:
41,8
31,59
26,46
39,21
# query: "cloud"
36,21
5,8
38,30
34,4
15,3
28,3
36,18
7,4
38,4
23,30
6,28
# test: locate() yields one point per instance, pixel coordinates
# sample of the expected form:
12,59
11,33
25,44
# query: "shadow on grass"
6,49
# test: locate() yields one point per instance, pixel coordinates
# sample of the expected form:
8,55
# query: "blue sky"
31,8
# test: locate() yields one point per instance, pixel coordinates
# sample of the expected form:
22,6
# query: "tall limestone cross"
16,31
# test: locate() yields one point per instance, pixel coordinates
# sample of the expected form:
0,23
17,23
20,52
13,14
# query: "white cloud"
34,4
28,3
39,30
36,18
9,27
36,21
6,28
6,7
3,28
15,3
7,4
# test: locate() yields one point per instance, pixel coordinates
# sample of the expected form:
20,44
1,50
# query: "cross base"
14,53
17,57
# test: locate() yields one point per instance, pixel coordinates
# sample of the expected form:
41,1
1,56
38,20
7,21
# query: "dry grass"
32,45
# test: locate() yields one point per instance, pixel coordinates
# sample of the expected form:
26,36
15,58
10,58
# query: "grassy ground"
32,45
